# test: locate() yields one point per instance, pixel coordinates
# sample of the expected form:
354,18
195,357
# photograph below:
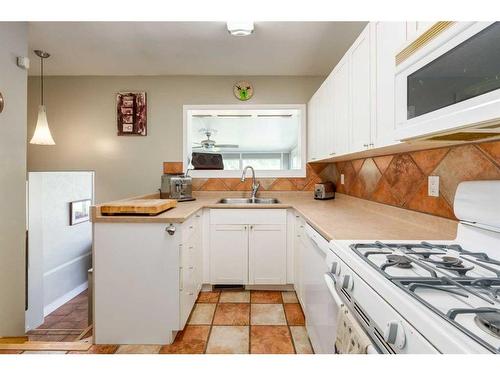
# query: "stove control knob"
394,334
335,268
347,283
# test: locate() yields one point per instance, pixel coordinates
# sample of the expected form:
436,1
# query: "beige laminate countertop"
343,218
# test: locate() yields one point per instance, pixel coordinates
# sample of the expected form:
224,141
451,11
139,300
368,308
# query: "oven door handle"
331,281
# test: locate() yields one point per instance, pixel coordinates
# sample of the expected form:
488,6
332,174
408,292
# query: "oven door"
451,83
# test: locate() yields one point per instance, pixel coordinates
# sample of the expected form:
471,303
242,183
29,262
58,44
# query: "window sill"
297,173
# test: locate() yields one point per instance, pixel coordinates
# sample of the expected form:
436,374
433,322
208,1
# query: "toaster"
324,190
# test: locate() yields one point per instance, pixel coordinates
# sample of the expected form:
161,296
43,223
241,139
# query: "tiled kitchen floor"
232,322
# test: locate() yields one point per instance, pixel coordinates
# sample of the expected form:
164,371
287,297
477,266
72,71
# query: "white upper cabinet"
388,38
361,91
354,110
341,106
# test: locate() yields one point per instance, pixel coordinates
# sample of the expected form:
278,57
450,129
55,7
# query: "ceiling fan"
210,145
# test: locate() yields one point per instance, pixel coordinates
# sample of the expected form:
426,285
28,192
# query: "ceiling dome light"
240,28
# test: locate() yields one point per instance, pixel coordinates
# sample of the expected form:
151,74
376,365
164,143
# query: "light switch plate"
342,179
433,186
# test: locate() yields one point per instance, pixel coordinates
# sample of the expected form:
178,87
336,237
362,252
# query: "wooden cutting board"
138,207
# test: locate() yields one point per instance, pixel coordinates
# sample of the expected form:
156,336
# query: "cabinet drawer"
248,216
191,226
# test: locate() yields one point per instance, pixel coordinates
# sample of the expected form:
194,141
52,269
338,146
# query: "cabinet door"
389,37
327,129
312,127
229,254
361,86
341,106
267,250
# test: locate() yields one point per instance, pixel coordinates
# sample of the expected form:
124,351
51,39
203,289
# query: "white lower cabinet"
229,254
248,246
267,254
146,278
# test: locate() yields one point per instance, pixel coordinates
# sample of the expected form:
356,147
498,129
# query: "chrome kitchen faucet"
255,184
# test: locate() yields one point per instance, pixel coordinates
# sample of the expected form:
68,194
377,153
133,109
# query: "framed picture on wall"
131,113
79,211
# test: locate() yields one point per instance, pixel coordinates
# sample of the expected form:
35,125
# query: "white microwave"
450,84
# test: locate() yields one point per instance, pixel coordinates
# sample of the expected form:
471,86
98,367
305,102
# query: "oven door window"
470,69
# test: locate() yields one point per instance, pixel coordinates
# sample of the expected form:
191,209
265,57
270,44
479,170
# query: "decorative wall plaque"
131,113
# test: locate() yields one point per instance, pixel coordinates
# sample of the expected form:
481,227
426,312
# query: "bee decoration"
243,90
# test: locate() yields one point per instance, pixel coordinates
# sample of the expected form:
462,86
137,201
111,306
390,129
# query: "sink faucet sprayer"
255,184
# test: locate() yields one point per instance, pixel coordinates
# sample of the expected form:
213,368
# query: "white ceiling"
190,48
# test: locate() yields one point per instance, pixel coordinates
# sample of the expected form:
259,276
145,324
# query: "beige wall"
13,42
81,114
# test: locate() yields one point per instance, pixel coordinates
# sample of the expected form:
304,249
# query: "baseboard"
65,298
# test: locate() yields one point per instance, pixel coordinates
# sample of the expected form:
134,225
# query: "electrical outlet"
433,186
342,179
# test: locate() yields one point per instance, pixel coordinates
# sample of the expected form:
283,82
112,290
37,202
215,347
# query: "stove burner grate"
399,261
489,322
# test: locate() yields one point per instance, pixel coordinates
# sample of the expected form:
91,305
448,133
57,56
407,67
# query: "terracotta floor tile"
232,314
289,297
202,313
267,314
301,340
10,351
258,296
97,349
192,340
138,349
270,340
235,297
228,340
208,297
294,314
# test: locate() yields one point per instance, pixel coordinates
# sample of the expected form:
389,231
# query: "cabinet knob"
170,229
365,145
332,153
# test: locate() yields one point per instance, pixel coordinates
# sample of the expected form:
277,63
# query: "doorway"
59,255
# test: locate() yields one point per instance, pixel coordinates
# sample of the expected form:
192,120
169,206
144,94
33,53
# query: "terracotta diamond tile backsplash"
401,179
398,180
314,174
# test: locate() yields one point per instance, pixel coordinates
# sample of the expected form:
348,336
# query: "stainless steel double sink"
249,201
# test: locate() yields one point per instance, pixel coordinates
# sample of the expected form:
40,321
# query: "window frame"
298,173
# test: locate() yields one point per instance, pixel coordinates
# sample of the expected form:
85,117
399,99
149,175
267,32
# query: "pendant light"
42,134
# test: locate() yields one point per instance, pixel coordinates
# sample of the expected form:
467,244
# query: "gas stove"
444,296
461,286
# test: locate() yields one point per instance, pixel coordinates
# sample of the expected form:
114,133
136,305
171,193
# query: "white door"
229,254
389,37
267,250
361,92
341,106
